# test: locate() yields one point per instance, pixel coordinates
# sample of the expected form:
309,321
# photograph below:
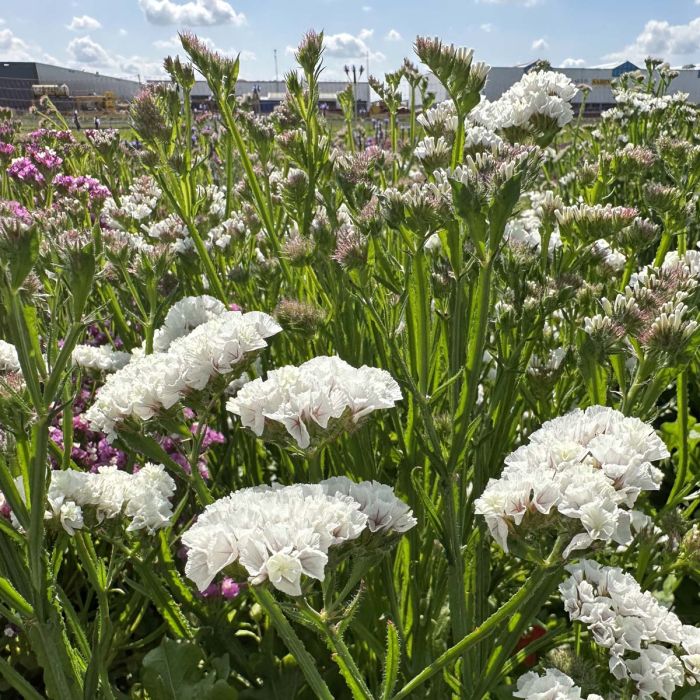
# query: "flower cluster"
584,222
581,471
82,184
279,533
639,102
553,685
137,205
101,358
385,512
314,401
648,643
540,99
652,310
151,383
9,362
143,497
25,170
184,316
45,158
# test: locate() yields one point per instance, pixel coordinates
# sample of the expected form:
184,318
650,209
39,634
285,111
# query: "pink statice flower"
24,170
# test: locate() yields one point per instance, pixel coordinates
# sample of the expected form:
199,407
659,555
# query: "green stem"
681,474
294,644
489,627
347,665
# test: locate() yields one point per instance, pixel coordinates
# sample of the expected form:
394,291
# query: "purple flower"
81,184
45,158
6,149
211,590
229,588
51,135
15,211
24,170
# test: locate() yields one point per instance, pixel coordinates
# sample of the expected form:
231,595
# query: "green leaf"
392,660
80,273
175,671
22,257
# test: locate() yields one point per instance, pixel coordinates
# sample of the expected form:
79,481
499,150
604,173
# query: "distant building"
598,78
269,93
19,81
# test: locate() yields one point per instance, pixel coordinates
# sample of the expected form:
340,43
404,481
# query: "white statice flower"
222,234
384,510
587,466
440,120
144,497
479,137
543,366
102,358
433,244
523,231
214,198
71,516
431,149
639,102
303,400
657,671
612,259
184,316
553,685
218,346
9,362
137,205
646,641
152,383
276,534
690,641
537,94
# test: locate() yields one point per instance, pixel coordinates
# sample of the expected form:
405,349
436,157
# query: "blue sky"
130,37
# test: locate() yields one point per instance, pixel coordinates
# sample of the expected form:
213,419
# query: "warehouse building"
267,94
23,83
598,78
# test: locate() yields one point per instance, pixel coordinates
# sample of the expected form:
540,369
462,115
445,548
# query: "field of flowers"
283,415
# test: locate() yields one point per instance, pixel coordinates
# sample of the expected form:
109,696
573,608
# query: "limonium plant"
289,408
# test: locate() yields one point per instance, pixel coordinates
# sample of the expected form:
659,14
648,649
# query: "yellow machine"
106,102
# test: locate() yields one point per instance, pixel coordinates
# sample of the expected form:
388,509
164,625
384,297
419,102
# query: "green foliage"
177,671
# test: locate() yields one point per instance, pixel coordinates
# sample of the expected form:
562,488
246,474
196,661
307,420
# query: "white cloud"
248,55
540,45
345,45
573,63
84,23
392,35
86,51
123,32
172,43
192,13
663,39
13,48
367,8
365,34
486,27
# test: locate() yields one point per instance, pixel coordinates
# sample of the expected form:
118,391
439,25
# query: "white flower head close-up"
552,685
152,383
144,497
587,466
304,399
279,533
647,642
